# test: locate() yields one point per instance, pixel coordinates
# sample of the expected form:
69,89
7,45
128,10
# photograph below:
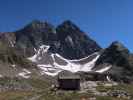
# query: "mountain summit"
74,43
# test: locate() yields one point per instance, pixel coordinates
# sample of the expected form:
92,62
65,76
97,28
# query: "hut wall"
69,84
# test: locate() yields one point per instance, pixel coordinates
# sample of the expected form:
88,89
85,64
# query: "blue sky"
103,20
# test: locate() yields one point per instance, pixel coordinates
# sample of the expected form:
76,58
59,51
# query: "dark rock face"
116,53
121,60
9,55
67,39
34,35
73,42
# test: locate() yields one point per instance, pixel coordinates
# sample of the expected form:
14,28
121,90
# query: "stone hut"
68,81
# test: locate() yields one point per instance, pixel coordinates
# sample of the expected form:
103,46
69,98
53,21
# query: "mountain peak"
117,43
118,46
114,53
36,21
68,24
35,24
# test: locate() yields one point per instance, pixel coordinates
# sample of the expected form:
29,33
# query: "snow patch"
42,49
1,76
71,65
13,65
11,43
47,69
25,73
39,58
35,49
96,53
104,69
108,78
33,58
55,68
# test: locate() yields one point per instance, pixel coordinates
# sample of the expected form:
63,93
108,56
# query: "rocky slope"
119,61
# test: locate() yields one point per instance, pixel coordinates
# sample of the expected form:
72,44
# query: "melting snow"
49,70
27,71
42,49
33,58
108,79
54,68
13,65
24,74
35,50
96,53
77,67
104,69
12,43
1,76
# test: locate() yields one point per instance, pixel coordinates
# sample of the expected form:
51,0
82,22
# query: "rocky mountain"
119,61
39,49
74,43
66,39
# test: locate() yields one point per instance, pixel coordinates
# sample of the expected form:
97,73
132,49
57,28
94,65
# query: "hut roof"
67,75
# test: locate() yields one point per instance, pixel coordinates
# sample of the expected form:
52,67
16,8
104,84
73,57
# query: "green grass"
16,95
108,98
64,96
126,87
38,87
39,84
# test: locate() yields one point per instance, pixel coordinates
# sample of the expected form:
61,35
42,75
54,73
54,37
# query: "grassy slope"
42,91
